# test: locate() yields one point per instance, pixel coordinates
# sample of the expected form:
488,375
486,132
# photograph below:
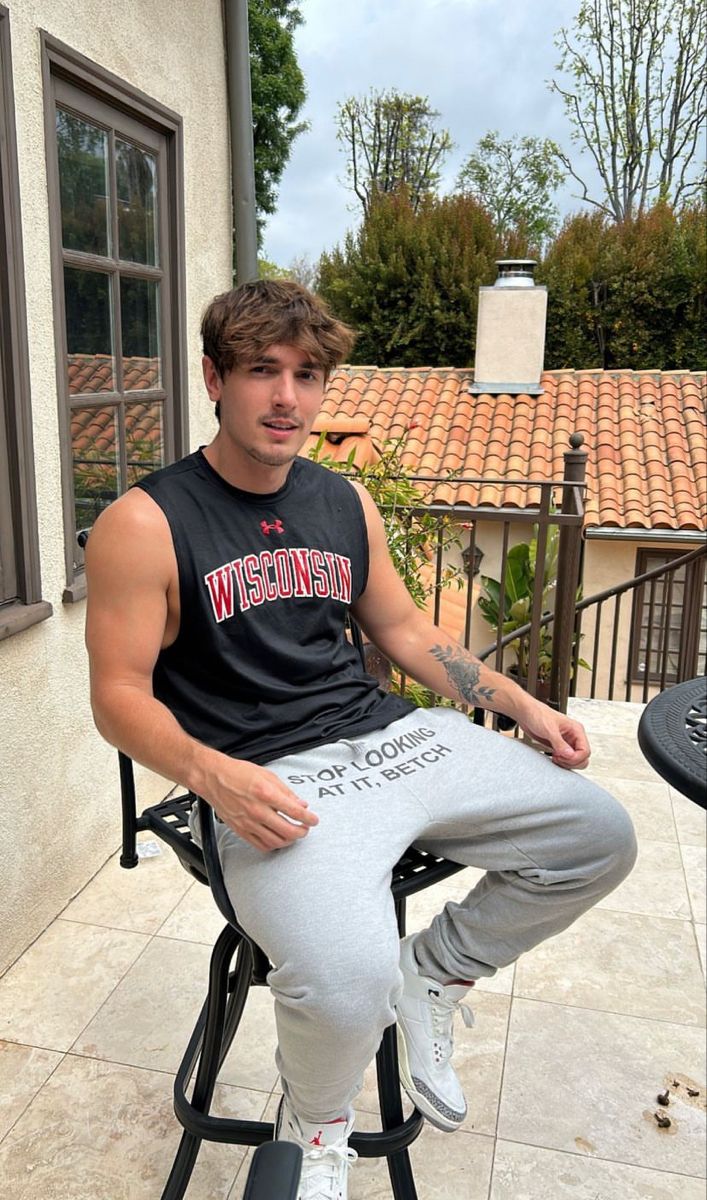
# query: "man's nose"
285,393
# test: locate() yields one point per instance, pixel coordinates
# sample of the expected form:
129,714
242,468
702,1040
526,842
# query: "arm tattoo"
463,674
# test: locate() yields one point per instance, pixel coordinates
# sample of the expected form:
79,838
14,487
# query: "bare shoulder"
369,505
133,531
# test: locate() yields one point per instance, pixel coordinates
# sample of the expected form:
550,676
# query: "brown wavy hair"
239,325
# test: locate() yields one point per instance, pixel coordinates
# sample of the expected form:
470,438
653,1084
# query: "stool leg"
391,1106
240,984
210,1041
182,1167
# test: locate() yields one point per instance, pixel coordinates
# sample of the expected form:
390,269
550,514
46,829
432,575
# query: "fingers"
573,751
265,812
274,795
564,737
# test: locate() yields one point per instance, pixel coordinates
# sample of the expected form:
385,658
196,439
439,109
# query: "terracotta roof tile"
644,432
92,373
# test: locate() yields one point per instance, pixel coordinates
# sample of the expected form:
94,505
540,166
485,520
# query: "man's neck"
249,475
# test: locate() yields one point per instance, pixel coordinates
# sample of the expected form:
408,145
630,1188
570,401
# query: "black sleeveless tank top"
261,666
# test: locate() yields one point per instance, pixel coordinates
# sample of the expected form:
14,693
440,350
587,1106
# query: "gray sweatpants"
552,843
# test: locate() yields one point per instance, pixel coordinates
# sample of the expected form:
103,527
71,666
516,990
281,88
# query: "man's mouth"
281,425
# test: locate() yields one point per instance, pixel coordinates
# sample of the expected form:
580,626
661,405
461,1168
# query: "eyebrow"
271,360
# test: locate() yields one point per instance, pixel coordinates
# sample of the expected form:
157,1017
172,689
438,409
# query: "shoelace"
443,1010
322,1168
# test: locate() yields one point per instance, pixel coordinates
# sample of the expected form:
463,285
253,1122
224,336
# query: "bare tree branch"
637,103
391,139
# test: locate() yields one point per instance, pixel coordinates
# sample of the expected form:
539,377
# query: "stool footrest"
254,1133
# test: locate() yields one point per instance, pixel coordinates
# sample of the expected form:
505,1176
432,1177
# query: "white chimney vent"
510,332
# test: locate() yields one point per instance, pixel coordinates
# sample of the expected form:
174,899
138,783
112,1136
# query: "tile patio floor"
561,1072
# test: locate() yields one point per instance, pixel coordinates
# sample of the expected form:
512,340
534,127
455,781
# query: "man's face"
267,410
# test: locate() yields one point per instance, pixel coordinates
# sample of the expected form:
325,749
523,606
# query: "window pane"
702,645
139,322
136,178
144,437
83,184
94,448
89,337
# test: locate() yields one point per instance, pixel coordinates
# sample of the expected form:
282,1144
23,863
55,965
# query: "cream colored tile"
478,1061
619,962
195,918
138,899
598,716
149,1019
656,884
695,860
23,1070
647,803
528,1173
445,1166
701,944
52,992
620,757
98,1131
586,1083
690,819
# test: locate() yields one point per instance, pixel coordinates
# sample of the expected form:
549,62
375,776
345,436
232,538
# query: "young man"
218,593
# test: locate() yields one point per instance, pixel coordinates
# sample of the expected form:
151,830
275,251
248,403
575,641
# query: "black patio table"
672,734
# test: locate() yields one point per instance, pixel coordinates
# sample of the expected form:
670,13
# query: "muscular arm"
407,636
132,585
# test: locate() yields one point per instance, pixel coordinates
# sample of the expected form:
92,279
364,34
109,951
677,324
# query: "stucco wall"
58,780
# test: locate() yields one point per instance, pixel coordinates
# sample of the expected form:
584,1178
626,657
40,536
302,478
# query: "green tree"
278,93
391,139
630,295
637,100
270,270
408,281
515,178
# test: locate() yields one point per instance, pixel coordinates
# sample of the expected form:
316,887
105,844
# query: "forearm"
255,803
142,727
434,660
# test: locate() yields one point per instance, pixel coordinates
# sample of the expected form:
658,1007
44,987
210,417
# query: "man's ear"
212,379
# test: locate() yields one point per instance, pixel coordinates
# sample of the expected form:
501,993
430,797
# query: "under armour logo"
276,527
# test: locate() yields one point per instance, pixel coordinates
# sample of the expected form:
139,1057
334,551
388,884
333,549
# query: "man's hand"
256,805
565,737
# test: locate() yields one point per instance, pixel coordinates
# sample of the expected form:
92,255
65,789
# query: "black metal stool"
237,963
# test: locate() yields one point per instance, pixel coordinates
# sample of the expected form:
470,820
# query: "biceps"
123,637
385,608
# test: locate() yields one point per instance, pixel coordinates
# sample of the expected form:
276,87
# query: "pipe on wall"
241,124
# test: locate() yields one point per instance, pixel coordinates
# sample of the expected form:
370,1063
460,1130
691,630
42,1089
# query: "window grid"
670,616
150,417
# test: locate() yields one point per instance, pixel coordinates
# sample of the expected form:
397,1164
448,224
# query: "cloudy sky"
482,63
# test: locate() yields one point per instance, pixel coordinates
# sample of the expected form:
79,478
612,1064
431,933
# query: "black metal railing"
552,519
633,653
638,636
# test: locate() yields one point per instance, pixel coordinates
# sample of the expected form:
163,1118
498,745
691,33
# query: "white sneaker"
327,1157
426,1012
